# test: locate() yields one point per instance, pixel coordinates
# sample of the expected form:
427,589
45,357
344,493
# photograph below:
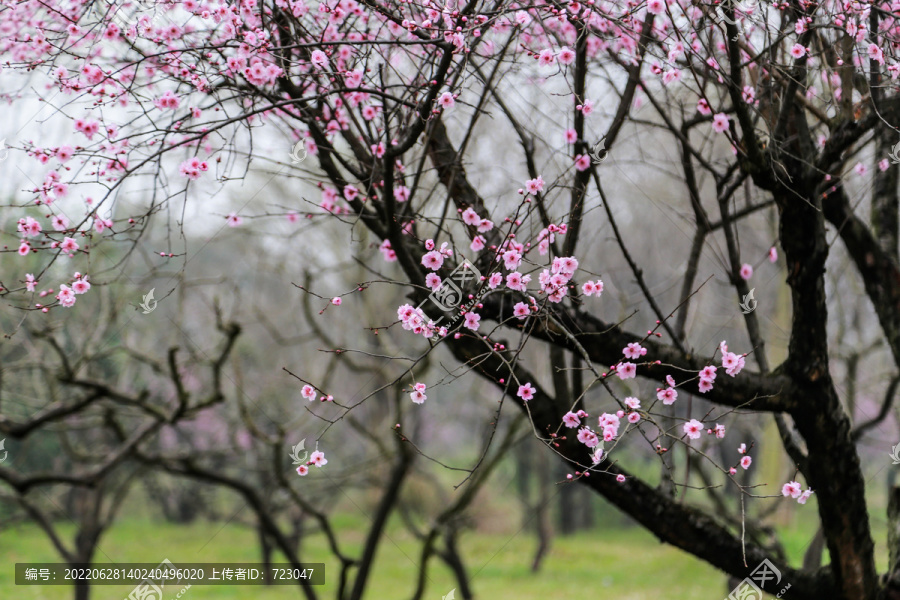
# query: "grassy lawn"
622,563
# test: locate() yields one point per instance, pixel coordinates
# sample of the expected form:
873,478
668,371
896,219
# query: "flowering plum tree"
400,108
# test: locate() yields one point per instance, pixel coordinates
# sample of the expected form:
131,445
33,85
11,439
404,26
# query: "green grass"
622,563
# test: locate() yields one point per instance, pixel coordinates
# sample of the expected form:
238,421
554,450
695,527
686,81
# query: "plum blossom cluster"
418,394
415,320
79,284
309,393
745,461
795,490
317,458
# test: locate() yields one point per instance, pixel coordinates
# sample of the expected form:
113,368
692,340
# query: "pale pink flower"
418,397
597,455
632,403
495,280
308,392
704,386
24,248
720,123
68,245
318,458
485,225
336,301
526,392
875,53
566,55
798,51
745,462
433,260
571,420
791,489
477,244
302,470
511,260
433,281
804,496
546,57
520,310
860,169
66,296
746,271
626,370
742,448
633,417
319,59
582,162
470,217
634,350
621,478
668,396
588,437
693,428
60,222
80,286
703,107
535,186
472,321
446,100
656,7
29,282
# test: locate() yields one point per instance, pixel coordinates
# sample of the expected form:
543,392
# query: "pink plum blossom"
526,392
318,458
693,428
791,489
